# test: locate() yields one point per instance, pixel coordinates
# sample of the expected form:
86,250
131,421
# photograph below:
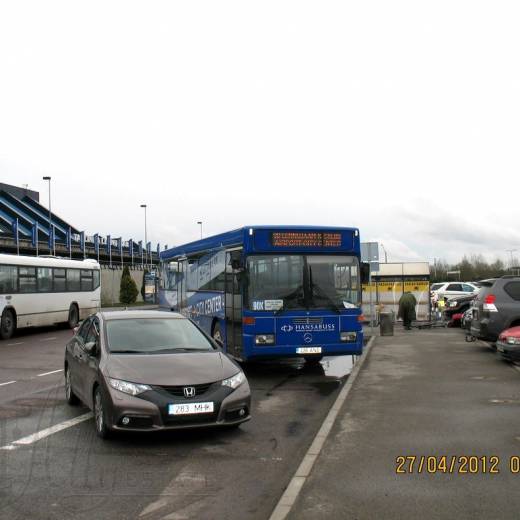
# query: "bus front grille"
307,321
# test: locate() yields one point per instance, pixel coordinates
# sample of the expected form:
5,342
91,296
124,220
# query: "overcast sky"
401,118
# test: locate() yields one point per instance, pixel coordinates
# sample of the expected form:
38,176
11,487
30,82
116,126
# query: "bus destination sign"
310,239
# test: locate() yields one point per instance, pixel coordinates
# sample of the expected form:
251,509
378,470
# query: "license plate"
190,408
308,350
500,348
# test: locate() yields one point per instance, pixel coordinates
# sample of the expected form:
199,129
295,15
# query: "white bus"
39,291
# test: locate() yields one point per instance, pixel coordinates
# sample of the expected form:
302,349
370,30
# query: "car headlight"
264,339
348,337
510,340
127,387
452,304
235,381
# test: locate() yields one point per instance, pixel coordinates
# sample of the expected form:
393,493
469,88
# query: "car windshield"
279,282
154,336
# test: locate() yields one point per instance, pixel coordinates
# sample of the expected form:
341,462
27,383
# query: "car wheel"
73,316
102,428
7,324
70,396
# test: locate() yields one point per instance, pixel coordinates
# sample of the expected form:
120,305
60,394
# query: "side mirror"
236,260
75,330
91,348
365,272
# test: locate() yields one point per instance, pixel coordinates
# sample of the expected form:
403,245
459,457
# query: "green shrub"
128,289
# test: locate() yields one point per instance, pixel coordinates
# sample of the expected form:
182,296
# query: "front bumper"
507,351
149,411
285,351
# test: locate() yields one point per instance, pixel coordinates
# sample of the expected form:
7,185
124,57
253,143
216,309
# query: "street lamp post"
511,251
200,224
145,232
47,178
383,247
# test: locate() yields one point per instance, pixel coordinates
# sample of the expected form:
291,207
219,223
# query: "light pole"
145,232
383,247
200,224
47,178
511,251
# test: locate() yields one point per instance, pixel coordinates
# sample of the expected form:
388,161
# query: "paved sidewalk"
428,393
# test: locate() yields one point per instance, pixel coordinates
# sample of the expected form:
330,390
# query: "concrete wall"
111,283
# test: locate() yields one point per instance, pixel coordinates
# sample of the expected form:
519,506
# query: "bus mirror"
218,342
365,272
236,260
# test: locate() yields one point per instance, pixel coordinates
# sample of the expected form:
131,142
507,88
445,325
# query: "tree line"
471,269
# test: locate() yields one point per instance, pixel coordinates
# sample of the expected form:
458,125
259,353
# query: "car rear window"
436,286
513,290
154,336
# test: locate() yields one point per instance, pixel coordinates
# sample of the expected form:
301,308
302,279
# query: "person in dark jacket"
407,304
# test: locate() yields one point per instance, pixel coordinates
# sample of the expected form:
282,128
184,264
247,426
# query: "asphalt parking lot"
209,474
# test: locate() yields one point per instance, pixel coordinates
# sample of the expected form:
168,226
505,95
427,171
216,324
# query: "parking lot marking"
287,500
31,439
13,344
47,373
49,339
8,383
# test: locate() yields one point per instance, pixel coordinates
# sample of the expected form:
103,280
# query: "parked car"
151,370
458,304
496,308
451,289
508,344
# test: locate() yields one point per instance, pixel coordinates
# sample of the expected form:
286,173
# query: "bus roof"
238,237
48,261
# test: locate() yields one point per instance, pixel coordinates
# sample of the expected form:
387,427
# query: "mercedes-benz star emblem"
307,337
189,391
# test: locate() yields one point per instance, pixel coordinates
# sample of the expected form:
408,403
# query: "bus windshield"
302,282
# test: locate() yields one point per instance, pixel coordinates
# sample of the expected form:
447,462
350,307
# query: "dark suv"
497,307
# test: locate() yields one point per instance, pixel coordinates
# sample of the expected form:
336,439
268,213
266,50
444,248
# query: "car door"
453,289
88,362
74,350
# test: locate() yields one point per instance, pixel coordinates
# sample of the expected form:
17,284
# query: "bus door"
233,298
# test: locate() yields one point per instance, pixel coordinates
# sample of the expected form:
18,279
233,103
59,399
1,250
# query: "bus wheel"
73,316
7,325
217,334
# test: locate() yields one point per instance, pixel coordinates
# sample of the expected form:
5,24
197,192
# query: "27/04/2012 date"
455,464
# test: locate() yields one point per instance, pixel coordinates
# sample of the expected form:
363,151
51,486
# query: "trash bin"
386,323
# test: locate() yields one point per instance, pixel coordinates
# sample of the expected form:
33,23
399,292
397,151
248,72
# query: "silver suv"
497,307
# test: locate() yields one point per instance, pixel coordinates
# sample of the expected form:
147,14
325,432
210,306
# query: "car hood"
171,369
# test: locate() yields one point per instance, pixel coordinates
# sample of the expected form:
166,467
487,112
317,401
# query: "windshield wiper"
129,352
180,349
322,294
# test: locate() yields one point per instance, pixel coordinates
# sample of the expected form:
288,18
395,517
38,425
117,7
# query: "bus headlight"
264,339
235,381
348,337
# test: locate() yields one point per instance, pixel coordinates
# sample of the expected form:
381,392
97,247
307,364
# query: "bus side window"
96,279
44,279
60,282
8,279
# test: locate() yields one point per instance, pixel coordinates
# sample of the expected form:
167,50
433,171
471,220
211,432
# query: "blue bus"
270,291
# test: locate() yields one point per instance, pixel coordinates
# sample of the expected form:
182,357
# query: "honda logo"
189,391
